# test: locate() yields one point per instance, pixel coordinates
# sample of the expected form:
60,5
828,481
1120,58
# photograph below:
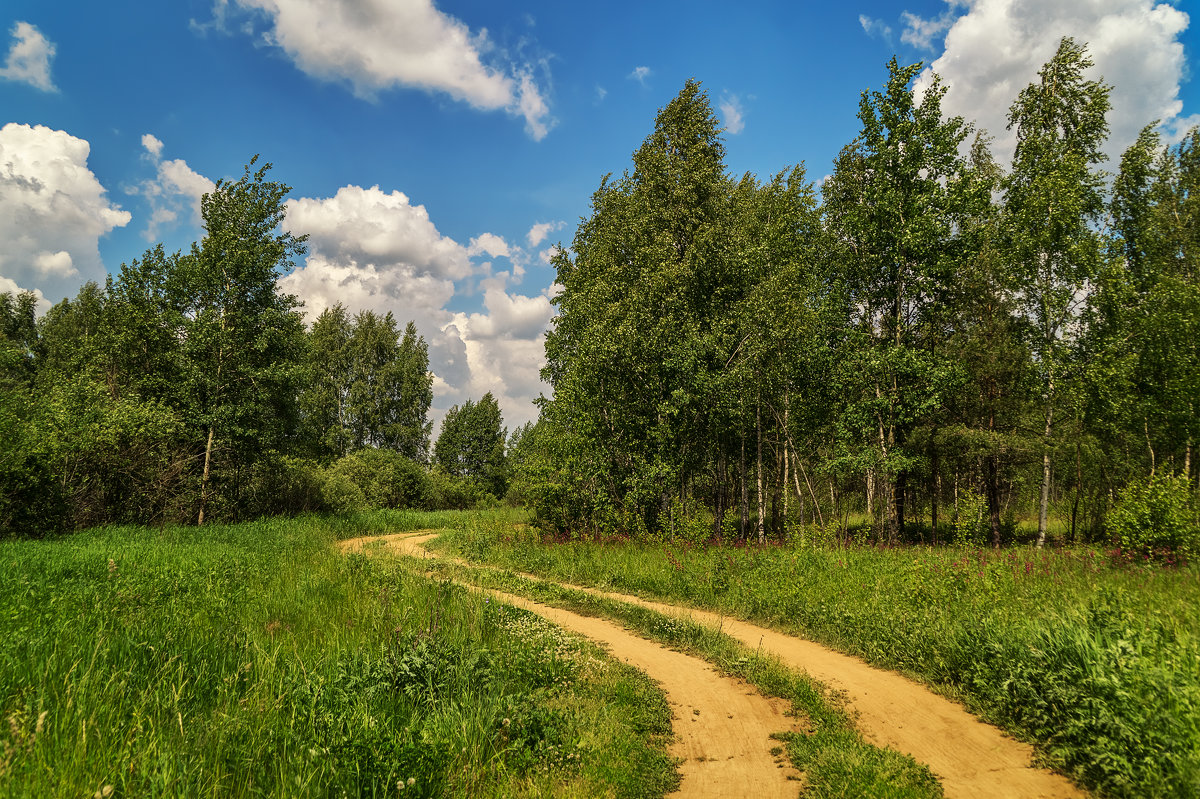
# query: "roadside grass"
254,660
1095,662
834,758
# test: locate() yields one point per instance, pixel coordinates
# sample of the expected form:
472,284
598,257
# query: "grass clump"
1094,660
253,660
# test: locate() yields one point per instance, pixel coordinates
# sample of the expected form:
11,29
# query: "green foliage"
1090,659
386,479
471,445
834,758
1156,519
449,492
368,385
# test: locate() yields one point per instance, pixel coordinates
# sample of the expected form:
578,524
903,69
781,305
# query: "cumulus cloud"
369,226
175,190
503,351
29,58
489,244
731,111
403,43
640,74
373,250
9,286
152,144
994,48
53,211
547,255
538,233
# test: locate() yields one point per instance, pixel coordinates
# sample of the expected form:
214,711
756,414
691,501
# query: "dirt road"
972,759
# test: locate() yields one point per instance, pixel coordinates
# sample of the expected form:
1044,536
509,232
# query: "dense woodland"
188,388
927,346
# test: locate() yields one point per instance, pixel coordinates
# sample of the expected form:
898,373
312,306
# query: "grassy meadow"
1095,661
254,660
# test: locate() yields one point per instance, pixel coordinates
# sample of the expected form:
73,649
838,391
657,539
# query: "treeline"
188,388
927,345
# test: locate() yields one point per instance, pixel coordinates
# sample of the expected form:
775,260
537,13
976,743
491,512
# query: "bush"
340,494
456,493
280,484
1156,518
386,478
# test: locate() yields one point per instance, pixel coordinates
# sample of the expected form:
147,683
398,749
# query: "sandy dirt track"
722,726
971,758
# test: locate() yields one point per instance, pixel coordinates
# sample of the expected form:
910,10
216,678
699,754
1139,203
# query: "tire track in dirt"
970,757
722,726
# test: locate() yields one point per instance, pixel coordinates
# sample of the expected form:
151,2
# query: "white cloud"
375,46
29,58
368,226
994,49
152,144
601,93
920,32
731,110
489,244
547,255
875,27
538,233
503,350
640,74
175,189
53,211
371,250
9,286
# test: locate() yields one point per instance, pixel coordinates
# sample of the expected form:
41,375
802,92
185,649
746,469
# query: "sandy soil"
722,726
972,759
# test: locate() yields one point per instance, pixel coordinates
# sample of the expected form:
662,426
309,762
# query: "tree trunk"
992,486
784,478
935,484
208,448
1044,503
871,494
758,472
898,493
745,504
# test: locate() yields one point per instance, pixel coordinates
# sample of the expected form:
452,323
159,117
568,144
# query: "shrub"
340,494
386,478
1156,518
448,492
281,484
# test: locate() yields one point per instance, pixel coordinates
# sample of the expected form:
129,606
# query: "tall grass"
251,660
1096,662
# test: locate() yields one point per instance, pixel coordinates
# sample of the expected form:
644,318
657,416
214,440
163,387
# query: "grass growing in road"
253,660
1097,663
834,758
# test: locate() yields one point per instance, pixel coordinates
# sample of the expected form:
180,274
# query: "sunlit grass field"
254,660
1096,661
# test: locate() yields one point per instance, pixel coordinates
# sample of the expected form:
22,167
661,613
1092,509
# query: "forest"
188,389
929,345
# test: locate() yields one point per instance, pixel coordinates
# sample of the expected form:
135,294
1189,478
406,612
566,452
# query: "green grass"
1098,664
835,760
253,660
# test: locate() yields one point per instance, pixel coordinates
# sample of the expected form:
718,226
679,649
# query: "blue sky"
437,152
